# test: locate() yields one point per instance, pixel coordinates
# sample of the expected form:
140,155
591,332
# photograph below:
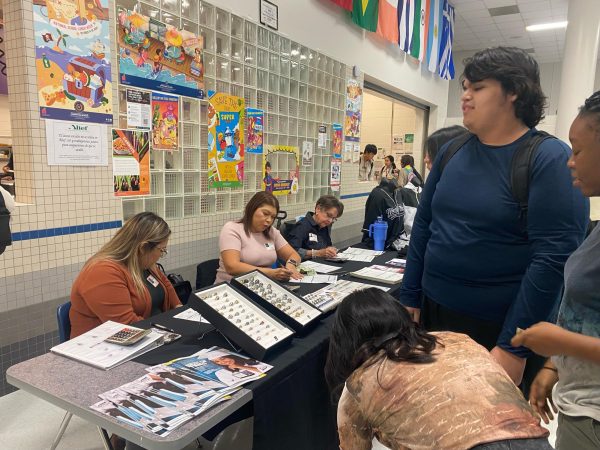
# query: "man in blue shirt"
472,267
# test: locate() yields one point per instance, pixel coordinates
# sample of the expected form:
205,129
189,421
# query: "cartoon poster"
131,162
165,119
281,169
254,130
337,140
157,56
336,174
353,110
225,140
72,59
307,153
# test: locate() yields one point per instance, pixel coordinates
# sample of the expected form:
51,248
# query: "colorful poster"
307,153
336,174
138,109
225,140
131,162
165,120
3,79
277,179
254,130
353,110
337,140
72,59
157,56
322,138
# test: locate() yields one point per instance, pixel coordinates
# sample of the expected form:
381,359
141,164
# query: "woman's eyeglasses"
163,251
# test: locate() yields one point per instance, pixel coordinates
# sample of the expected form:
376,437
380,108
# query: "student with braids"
574,342
416,390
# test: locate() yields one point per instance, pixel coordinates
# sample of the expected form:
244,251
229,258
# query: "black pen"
162,327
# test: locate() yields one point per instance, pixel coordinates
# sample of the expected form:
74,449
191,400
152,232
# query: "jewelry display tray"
285,305
238,318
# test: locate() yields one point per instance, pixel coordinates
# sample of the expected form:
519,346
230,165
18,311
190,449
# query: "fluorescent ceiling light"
547,26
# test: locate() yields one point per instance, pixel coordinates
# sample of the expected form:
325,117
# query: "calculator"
127,336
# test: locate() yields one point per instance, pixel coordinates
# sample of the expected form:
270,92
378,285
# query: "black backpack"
520,169
183,288
5,236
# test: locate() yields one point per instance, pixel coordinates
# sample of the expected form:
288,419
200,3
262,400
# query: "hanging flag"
446,69
387,24
405,24
436,13
346,4
364,14
415,42
424,29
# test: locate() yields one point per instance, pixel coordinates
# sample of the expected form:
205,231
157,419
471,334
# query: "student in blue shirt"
472,267
311,236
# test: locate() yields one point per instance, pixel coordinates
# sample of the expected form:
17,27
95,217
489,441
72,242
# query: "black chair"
206,273
280,217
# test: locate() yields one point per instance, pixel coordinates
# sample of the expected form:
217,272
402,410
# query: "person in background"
385,200
474,265
365,163
8,169
574,342
9,201
437,139
412,389
389,169
122,282
311,236
407,162
252,243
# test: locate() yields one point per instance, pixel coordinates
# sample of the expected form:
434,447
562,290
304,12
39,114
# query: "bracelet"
550,368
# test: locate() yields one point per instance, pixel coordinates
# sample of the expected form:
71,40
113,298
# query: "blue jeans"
516,444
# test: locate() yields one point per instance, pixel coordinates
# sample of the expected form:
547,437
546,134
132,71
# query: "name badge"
312,237
269,246
153,281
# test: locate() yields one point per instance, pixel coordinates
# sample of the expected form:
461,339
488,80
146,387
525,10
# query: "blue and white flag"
436,14
446,64
405,24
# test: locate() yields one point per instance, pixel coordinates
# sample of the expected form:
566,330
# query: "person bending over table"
252,243
122,282
311,236
413,389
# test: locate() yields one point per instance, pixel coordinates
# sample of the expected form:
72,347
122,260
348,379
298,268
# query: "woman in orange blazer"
122,282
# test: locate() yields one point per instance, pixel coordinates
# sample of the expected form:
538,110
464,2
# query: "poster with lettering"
281,169
352,121
165,120
131,162
72,59
254,130
76,143
158,56
225,140
337,140
336,174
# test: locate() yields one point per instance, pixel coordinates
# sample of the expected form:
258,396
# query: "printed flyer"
72,59
138,109
165,120
353,110
225,140
157,56
337,140
307,153
336,174
322,137
131,162
254,130
277,179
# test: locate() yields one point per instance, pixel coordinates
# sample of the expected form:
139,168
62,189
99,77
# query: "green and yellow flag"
365,14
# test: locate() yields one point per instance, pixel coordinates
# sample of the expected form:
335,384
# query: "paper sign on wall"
336,174
322,141
307,153
131,162
165,119
76,144
138,109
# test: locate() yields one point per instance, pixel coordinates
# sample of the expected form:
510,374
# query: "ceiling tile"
542,5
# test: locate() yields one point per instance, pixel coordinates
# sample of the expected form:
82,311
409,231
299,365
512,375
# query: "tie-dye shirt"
462,399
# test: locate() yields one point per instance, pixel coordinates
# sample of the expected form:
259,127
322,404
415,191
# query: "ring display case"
236,316
281,302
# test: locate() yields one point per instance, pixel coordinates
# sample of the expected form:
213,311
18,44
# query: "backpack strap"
520,172
455,145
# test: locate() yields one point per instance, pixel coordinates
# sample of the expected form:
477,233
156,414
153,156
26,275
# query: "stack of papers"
381,274
329,297
359,254
397,262
327,279
171,394
318,267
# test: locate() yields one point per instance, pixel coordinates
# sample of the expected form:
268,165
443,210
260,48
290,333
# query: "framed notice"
269,14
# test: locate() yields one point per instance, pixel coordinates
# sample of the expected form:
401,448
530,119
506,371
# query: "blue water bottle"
378,231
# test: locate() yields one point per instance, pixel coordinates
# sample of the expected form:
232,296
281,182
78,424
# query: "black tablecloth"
292,407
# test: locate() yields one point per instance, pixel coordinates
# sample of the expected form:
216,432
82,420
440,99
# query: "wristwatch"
293,262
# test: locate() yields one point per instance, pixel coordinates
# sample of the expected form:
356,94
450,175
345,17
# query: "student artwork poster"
254,130
165,120
157,56
337,140
276,180
225,140
353,110
131,162
72,58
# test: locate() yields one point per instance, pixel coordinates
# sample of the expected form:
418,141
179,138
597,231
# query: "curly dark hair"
517,72
371,325
591,108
